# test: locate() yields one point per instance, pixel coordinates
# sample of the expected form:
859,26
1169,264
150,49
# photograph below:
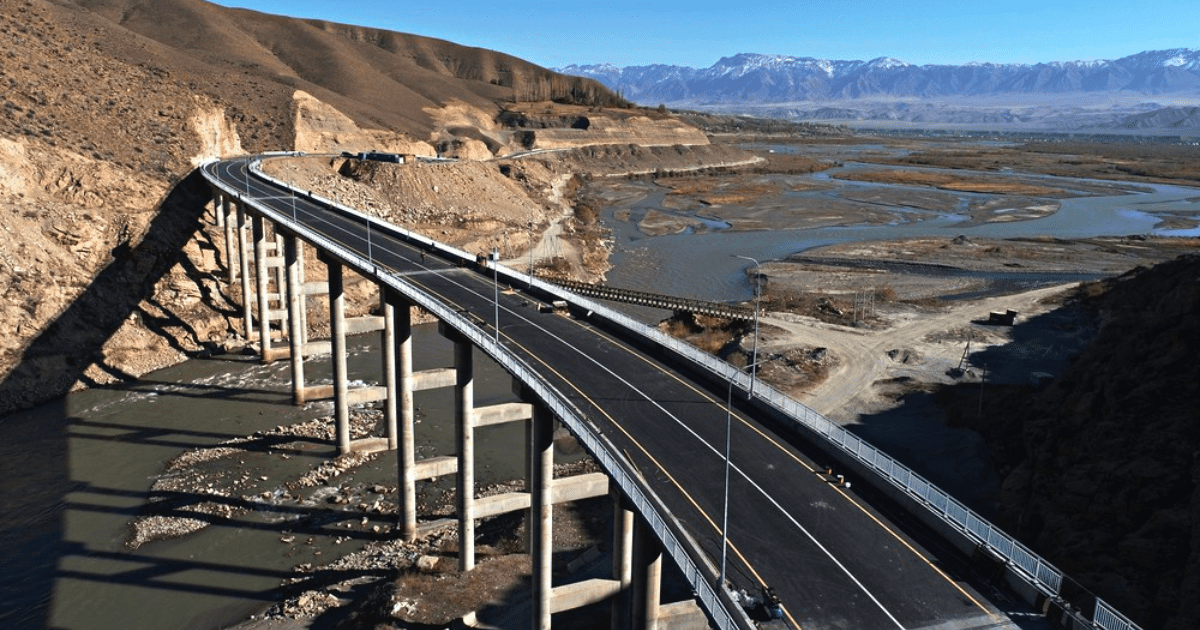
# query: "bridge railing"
1031,568
722,611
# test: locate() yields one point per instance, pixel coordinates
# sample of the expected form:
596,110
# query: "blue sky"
556,33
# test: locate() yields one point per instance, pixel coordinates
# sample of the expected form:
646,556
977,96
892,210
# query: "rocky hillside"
1105,478
107,262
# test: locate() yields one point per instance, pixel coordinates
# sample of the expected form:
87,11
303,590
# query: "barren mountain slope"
107,262
381,79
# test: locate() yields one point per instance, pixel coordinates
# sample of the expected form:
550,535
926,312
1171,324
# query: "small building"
1007,318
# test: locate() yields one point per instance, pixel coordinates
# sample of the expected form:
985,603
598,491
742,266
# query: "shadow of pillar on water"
34,456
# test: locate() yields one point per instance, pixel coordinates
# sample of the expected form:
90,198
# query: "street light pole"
725,509
496,288
757,298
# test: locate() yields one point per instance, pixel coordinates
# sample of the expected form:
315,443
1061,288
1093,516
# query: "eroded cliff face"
321,128
1109,487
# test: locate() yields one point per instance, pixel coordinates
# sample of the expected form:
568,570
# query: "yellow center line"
853,501
616,424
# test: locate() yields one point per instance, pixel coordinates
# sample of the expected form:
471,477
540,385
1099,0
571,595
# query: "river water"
704,266
75,472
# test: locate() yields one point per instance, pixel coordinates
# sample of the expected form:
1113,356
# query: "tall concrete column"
337,325
216,203
464,408
391,405
293,260
528,458
230,249
542,521
646,587
280,272
623,525
261,275
303,299
402,405
244,266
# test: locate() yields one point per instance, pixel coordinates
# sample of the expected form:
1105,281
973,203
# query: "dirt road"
926,345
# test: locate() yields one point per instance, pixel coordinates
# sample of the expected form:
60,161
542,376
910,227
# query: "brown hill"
381,79
106,106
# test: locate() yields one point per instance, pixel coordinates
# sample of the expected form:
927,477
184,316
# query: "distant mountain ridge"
756,78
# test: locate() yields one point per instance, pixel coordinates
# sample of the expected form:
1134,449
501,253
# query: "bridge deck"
832,558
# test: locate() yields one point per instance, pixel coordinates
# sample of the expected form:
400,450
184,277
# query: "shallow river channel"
75,472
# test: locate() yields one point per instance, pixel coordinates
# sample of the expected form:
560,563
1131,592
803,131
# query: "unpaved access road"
861,355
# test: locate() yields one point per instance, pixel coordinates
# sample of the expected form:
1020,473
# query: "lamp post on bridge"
757,298
728,431
496,288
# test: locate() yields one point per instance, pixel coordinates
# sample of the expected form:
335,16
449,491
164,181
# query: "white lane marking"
679,422
717,452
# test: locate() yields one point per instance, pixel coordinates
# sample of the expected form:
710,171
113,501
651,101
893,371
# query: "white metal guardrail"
1036,571
725,614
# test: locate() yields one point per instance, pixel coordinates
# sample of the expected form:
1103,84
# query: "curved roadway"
832,559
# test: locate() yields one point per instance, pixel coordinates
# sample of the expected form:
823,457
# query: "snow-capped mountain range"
804,87
753,78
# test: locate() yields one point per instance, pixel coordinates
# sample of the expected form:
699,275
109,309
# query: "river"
704,266
77,470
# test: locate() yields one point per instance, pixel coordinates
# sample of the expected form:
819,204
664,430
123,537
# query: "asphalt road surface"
834,561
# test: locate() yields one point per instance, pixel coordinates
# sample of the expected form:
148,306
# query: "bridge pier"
623,526
243,227
464,433
541,523
646,587
293,257
337,332
259,230
398,371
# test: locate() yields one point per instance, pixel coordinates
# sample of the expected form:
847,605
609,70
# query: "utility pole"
496,288
757,297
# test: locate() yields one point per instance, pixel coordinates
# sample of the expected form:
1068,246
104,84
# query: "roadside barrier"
1028,566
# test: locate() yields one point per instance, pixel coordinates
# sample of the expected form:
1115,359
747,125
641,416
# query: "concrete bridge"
738,485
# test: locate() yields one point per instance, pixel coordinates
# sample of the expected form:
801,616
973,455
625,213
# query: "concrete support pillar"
293,260
464,407
217,207
646,587
243,225
542,523
280,272
230,248
401,406
303,300
261,275
623,526
388,343
337,325
529,458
